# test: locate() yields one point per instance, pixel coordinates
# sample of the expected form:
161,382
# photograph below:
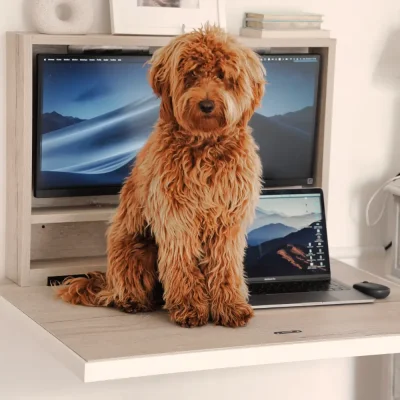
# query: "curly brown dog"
185,208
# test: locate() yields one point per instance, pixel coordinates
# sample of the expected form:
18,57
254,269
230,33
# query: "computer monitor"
285,126
95,112
288,239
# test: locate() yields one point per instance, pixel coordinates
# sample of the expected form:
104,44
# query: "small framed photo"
164,17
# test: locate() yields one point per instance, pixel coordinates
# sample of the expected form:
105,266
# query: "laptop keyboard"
296,287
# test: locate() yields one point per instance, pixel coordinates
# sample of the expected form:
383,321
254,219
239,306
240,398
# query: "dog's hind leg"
130,279
132,263
132,270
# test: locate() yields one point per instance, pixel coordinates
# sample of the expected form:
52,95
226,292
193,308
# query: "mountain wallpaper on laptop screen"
278,241
97,116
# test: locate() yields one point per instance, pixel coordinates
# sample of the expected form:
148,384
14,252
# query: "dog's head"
207,81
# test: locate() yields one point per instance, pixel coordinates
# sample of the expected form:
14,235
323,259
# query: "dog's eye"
193,74
221,75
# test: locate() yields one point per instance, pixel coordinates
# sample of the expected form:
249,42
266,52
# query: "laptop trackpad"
291,299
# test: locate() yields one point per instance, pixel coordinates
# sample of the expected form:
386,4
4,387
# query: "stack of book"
269,25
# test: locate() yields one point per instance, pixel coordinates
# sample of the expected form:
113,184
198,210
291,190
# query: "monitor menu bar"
90,59
93,59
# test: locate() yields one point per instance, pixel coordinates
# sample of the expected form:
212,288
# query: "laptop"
287,258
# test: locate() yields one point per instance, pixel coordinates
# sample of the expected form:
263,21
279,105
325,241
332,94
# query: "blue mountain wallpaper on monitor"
95,119
96,116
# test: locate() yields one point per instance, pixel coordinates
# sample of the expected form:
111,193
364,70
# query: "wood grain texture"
71,214
146,335
11,166
117,345
105,333
66,240
99,40
65,202
22,153
157,41
42,269
55,308
24,147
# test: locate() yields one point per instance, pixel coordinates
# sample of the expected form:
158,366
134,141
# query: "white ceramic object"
76,16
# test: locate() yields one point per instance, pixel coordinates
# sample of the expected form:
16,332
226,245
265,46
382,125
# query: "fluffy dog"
186,206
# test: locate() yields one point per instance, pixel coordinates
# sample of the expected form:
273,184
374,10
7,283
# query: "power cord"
388,246
382,187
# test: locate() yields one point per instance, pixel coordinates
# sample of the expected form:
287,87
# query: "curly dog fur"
185,208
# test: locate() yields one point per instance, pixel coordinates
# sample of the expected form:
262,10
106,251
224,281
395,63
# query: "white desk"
101,344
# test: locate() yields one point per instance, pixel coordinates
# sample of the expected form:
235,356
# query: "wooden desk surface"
101,344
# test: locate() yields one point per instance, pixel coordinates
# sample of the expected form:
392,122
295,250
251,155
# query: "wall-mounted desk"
103,344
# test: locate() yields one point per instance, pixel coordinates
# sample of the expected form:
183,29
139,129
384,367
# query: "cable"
382,187
388,246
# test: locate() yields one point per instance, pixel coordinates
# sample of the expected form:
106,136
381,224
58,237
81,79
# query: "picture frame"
164,17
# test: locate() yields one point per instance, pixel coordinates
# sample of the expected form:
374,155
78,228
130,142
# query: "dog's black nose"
207,106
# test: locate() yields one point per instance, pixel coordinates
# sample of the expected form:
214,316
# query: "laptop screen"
288,239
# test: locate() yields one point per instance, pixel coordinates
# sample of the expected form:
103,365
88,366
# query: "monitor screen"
96,112
285,125
288,238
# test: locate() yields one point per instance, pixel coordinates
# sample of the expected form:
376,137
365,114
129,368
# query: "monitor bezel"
296,278
38,192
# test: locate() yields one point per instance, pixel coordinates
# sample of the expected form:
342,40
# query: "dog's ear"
157,73
256,75
162,71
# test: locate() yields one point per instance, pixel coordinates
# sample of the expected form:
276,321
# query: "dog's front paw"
233,315
190,315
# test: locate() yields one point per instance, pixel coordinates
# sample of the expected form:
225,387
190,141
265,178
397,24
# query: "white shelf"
42,269
101,344
71,214
73,229
129,41
79,231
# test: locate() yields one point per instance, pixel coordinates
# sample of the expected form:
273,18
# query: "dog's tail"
87,291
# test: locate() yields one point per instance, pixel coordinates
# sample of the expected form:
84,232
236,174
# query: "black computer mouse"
372,289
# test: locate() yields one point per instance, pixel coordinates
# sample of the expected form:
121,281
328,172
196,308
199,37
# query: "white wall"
366,117
365,150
